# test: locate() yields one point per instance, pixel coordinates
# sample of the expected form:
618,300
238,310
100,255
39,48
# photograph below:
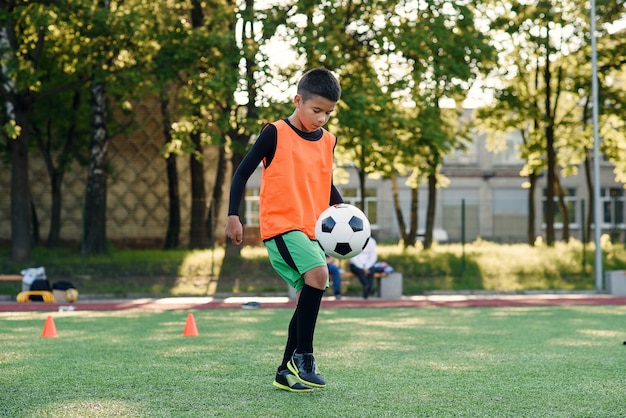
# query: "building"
486,198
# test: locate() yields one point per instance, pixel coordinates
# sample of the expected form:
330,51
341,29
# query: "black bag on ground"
39,284
62,286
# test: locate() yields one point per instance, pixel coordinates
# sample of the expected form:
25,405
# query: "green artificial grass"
427,362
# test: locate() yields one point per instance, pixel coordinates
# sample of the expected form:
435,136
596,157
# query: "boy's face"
313,113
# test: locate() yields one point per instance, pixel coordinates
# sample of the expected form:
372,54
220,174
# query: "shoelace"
309,363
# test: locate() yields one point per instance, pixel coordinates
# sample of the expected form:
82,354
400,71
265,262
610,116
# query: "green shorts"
292,254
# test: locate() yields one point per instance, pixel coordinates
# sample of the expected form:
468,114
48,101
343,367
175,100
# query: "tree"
115,65
612,109
410,149
23,34
182,40
541,46
388,54
211,89
346,38
58,127
445,52
247,114
172,234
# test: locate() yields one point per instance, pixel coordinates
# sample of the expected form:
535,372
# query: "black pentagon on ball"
356,224
342,248
328,224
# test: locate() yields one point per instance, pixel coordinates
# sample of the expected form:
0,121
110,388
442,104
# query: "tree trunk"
414,224
362,179
590,198
94,223
197,231
57,173
54,233
530,231
398,209
430,209
550,188
173,224
549,131
563,208
35,234
18,108
216,201
409,237
551,153
56,180
231,249
20,196
54,237
240,135
172,235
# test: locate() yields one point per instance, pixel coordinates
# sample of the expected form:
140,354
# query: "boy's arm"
335,196
264,147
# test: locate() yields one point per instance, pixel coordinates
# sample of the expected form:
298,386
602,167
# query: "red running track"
447,300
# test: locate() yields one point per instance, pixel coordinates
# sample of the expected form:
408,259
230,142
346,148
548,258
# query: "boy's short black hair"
319,82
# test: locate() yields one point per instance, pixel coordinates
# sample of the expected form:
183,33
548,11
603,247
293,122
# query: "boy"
296,187
362,265
335,274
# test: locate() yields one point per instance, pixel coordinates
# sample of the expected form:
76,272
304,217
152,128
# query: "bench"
615,281
28,295
388,286
11,277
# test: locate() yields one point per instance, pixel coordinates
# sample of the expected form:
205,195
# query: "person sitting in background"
361,266
335,276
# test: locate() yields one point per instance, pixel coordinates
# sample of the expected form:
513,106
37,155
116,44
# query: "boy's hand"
234,229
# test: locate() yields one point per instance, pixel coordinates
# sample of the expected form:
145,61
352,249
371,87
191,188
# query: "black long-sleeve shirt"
263,150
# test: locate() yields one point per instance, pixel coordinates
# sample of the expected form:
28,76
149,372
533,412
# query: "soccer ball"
71,295
342,231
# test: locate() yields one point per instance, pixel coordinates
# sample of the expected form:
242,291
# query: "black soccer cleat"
285,380
303,366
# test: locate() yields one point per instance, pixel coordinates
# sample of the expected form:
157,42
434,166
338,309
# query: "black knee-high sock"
292,335
307,311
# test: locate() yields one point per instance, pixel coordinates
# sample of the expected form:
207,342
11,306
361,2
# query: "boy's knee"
317,278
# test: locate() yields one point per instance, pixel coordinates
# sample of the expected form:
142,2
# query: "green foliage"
11,130
121,272
471,362
545,76
477,266
495,267
249,273
396,60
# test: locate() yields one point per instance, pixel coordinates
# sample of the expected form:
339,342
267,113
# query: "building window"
571,205
252,206
612,200
460,216
352,195
510,215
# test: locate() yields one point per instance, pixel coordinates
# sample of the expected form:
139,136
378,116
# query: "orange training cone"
190,327
49,329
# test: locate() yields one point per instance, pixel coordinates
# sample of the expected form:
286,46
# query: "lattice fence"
137,200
